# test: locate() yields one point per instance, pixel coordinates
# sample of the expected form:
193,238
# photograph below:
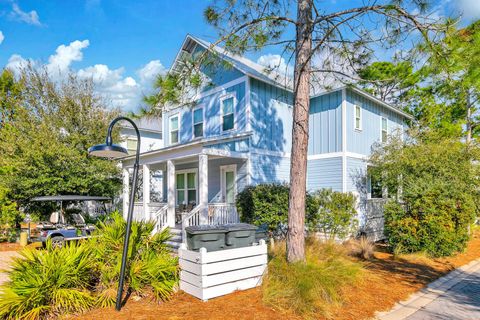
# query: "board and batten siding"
270,117
361,141
325,124
324,173
212,120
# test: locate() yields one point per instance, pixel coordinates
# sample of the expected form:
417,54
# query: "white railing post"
146,192
126,193
203,187
171,193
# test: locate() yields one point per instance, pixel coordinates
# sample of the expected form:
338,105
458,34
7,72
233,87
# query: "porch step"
176,239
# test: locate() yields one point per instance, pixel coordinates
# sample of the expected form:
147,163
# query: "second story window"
174,129
358,117
198,122
228,114
384,129
131,145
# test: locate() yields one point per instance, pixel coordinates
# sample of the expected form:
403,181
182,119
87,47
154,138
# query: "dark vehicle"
63,225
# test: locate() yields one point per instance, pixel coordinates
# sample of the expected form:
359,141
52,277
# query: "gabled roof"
261,73
244,65
152,124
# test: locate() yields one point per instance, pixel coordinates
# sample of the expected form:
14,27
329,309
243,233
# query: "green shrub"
49,282
83,275
336,215
267,204
433,183
311,289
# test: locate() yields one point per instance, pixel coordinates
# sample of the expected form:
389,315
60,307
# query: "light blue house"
238,132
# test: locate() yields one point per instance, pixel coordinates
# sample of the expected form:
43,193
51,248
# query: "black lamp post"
109,150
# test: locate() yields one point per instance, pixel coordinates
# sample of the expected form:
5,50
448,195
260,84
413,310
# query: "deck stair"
176,240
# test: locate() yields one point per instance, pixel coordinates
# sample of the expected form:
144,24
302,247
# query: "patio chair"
179,213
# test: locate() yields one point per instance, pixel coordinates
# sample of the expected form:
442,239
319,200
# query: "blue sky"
120,44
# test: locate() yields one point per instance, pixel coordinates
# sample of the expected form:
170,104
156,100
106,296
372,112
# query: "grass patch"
312,288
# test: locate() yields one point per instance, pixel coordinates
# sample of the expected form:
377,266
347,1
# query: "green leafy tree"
432,182
10,95
389,81
305,32
44,144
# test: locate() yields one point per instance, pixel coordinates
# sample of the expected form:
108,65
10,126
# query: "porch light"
113,151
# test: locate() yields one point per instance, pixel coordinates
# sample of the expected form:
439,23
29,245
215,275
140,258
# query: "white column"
146,192
126,193
203,186
171,193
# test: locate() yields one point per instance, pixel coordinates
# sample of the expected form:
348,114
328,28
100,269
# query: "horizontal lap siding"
324,173
362,141
325,124
269,169
270,117
356,171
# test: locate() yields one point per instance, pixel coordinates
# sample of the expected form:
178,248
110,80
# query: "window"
375,185
358,117
228,117
174,129
186,185
131,145
198,122
384,129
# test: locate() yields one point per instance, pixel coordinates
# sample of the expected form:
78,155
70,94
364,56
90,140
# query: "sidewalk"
454,296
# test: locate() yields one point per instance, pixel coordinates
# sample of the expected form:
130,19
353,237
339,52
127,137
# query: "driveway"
455,296
5,260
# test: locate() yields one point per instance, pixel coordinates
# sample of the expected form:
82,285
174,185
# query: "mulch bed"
387,280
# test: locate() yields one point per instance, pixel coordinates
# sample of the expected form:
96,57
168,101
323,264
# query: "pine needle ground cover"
80,276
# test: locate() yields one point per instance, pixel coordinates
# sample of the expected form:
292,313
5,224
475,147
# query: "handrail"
222,213
192,219
161,217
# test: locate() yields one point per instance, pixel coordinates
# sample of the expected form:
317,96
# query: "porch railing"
222,213
159,214
138,213
191,219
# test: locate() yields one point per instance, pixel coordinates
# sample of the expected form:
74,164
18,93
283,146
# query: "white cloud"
469,8
65,55
27,17
122,90
16,62
2,37
150,71
274,62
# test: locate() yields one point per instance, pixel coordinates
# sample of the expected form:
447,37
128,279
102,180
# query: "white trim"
344,139
355,106
185,190
221,88
170,128
223,182
248,102
225,153
224,97
337,155
199,106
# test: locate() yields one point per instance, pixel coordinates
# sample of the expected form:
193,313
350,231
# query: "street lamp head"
112,151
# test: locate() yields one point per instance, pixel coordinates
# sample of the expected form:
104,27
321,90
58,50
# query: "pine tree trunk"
469,120
298,166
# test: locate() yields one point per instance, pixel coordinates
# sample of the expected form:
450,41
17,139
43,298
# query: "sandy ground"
5,259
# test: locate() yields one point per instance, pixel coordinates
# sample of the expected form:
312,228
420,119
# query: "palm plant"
83,275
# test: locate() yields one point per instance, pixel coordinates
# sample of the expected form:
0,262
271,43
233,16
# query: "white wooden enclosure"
207,275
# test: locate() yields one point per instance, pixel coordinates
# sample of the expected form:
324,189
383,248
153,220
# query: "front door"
186,184
228,181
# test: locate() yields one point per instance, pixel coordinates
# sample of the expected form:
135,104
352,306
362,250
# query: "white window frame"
170,128
381,128
131,139
200,106
223,182
355,106
223,98
185,191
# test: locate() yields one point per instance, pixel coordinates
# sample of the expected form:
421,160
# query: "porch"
187,190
